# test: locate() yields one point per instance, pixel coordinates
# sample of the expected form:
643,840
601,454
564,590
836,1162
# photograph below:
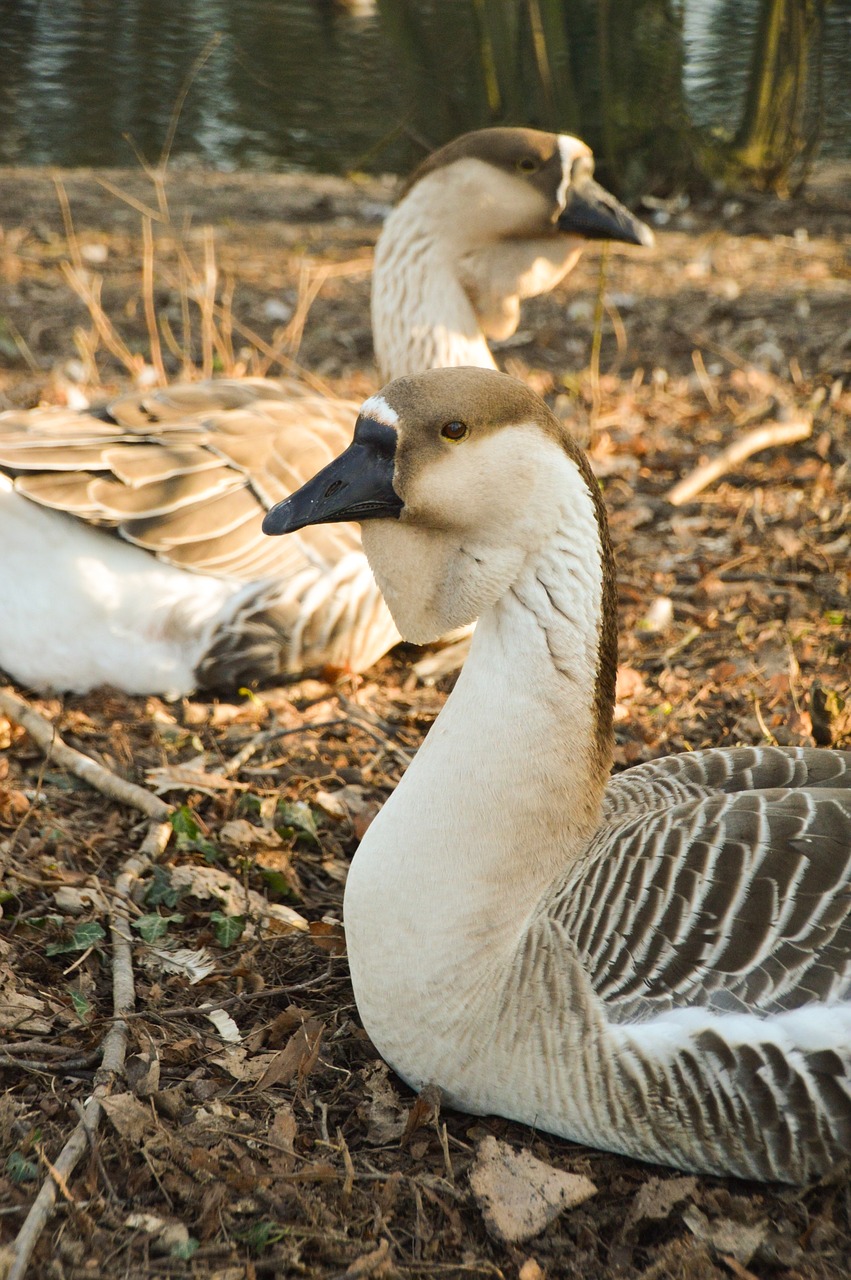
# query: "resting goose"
657,963
132,552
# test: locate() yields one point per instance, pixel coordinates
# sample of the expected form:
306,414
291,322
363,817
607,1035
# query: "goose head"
460,477
496,216
521,183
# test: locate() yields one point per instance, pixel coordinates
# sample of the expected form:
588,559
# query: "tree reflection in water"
668,93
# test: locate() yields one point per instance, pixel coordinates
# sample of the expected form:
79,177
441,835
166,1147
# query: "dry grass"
205,345
281,1154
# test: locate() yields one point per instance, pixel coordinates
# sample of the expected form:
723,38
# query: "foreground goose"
132,552
657,963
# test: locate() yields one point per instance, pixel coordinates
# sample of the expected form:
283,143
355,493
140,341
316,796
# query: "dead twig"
705,380
66,1066
82,766
35,1045
768,436
114,1042
148,299
96,1155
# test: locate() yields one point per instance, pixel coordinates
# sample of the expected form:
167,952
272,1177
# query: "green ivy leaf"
19,1169
39,922
184,1249
248,806
183,823
189,835
277,883
153,927
83,1007
228,929
160,891
260,1235
297,817
88,934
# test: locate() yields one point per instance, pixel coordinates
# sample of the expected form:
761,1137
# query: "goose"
132,552
656,963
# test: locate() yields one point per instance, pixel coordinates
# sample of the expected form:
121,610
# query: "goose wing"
720,878
189,472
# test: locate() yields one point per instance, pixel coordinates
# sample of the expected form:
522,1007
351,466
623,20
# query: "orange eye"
454,431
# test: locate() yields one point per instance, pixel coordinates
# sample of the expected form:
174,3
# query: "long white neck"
504,792
442,281
421,315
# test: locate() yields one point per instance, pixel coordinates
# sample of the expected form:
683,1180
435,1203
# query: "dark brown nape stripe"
607,653
500,146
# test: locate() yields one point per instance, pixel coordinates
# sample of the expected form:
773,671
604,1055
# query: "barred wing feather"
188,472
719,895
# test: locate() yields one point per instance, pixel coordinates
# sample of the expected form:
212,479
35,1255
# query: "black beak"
356,486
595,214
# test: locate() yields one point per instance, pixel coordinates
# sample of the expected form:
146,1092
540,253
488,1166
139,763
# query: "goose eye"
527,165
454,431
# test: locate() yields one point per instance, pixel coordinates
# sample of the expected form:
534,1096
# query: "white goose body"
132,552
658,964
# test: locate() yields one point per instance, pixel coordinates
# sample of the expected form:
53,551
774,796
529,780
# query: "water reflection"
370,84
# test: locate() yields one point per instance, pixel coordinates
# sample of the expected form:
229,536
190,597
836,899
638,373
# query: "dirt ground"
255,1131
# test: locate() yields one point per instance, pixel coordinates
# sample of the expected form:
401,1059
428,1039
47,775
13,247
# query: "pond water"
323,85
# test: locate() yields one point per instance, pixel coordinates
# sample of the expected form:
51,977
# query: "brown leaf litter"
252,1130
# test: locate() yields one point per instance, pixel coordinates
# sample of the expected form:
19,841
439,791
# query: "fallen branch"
62,1067
114,1051
768,436
82,766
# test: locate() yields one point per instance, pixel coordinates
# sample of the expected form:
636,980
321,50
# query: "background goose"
658,963
189,593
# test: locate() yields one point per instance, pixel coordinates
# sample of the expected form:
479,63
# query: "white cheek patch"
377,408
570,149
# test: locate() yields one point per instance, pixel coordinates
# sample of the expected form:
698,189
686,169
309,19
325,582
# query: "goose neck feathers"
659,964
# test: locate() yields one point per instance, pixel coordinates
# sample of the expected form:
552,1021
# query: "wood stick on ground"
82,766
114,1052
767,436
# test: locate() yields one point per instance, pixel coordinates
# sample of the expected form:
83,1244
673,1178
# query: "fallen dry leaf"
75,902
142,1072
657,1197
426,1109
629,683
377,1263
165,1236
298,1056
277,918
329,935
740,1240
13,805
282,1134
386,1117
519,1194
234,1059
354,803
130,1117
191,777
244,834
235,899
19,1012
